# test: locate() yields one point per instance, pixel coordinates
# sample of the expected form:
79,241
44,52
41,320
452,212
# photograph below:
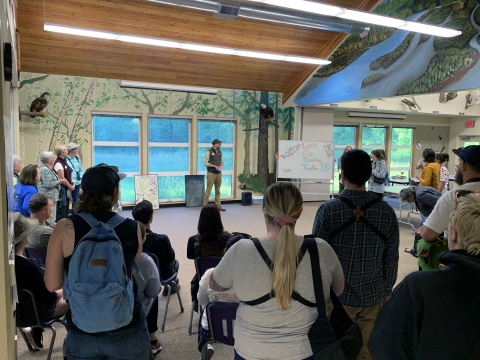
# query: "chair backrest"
27,313
204,263
221,321
39,255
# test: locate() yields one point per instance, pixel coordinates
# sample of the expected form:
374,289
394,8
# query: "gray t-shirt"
40,236
264,331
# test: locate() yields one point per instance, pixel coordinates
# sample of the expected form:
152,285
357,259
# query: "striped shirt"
369,264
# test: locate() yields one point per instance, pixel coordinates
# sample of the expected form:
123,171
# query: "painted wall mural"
390,62
73,99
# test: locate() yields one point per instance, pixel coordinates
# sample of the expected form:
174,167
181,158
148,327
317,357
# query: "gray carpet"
179,223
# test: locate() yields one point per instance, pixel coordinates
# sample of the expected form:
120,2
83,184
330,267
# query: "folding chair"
39,255
202,264
166,283
28,315
221,322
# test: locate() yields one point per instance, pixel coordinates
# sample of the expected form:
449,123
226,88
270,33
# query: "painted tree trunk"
276,136
61,115
81,111
184,105
262,163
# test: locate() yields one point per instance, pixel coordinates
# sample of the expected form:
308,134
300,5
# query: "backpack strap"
317,277
115,221
263,254
358,215
89,218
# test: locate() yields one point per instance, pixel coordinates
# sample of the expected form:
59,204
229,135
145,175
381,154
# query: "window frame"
392,147
161,144
119,143
232,172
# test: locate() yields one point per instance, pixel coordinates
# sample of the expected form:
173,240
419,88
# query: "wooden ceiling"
52,53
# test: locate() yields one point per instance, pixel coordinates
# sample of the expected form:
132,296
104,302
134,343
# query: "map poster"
146,188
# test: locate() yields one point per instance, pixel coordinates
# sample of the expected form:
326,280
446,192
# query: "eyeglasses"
462,193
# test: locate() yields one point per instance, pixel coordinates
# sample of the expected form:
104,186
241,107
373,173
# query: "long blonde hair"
466,221
284,198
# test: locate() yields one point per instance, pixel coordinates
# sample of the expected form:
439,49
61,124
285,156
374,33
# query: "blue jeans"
424,218
131,344
238,357
75,193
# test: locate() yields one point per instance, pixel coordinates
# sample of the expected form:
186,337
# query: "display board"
299,159
146,188
194,190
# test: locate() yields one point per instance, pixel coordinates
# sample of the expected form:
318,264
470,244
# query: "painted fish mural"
291,151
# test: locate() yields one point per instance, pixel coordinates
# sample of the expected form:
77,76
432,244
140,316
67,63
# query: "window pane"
171,187
227,154
161,159
125,157
373,136
337,153
168,130
468,143
402,137
127,189
116,128
343,135
226,188
209,130
401,158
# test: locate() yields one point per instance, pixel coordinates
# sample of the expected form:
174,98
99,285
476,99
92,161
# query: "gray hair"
406,194
38,202
16,160
59,149
45,156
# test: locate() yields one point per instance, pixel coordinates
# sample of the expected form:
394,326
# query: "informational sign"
146,188
194,190
299,159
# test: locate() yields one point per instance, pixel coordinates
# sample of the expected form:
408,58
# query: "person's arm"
152,279
140,245
437,221
441,186
48,181
206,160
390,257
221,166
170,253
202,294
426,178
55,254
191,248
221,278
26,200
61,175
321,226
380,170
428,234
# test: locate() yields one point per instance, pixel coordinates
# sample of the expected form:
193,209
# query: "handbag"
335,338
378,180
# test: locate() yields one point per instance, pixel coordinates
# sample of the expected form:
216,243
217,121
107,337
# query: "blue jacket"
21,197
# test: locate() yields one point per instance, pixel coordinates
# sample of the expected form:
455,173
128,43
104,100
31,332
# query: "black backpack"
358,215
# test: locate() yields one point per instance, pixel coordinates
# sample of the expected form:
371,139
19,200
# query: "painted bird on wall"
39,103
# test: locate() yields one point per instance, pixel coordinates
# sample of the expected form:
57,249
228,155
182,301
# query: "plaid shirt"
369,264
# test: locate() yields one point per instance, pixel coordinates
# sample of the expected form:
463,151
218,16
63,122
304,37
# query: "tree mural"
140,96
288,119
262,163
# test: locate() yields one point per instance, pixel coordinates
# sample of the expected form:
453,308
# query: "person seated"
210,240
206,294
158,244
434,314
41,208
29,276
277,328
148,288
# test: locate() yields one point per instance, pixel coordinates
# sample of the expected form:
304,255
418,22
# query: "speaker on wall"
246,198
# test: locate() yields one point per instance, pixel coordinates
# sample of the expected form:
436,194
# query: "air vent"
226,12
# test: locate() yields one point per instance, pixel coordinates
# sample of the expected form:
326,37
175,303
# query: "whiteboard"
300,159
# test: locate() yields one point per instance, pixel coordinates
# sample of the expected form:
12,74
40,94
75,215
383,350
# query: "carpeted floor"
179,223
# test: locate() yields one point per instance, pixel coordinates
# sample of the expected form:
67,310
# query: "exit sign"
469,123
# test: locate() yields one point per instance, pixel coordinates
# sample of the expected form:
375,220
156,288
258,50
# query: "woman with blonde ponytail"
266,272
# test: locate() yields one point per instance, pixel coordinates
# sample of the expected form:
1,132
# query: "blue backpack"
97,287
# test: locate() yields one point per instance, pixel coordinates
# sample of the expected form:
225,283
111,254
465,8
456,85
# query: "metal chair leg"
29,346
190,324
178,295
52,342
166,307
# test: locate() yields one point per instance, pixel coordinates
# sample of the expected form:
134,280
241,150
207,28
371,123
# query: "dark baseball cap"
469,154
216,141
101,178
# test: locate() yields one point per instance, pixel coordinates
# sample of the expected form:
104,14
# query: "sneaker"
156,346
222,209
34,337
210,351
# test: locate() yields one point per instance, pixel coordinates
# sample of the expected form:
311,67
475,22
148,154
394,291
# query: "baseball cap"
22,226
72,146
469,154
216,141
101,178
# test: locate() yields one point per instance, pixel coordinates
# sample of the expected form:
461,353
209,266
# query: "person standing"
367,248
340,183
64,172
214,163
431,172
376,183
444,174
77,171
17,167
50,183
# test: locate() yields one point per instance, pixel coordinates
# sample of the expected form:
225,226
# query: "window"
169,155
401,152
343,136
116,141
373,137
224,130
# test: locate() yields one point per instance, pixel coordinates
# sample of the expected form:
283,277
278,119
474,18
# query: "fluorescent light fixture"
210,49
167,87
374,19
148,41
373,107
182,45
436,112
376,115
334,105
79,32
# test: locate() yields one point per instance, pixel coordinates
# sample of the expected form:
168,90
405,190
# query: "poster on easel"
146,188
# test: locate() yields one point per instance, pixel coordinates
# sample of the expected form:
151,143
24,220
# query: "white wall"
316,125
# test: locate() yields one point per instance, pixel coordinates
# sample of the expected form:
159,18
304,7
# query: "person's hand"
419,177
219,168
